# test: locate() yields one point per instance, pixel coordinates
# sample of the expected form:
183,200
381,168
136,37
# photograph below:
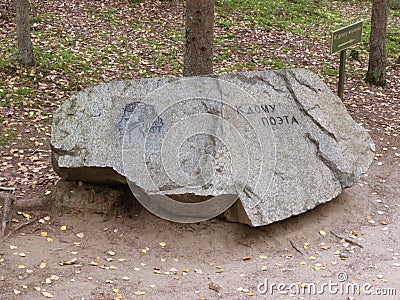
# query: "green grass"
296,13
7,138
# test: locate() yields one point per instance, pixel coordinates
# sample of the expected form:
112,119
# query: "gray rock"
281,141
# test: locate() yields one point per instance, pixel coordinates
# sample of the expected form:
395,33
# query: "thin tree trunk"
376,74
23,28
198,59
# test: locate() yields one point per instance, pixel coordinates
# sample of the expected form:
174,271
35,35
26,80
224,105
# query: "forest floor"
88,243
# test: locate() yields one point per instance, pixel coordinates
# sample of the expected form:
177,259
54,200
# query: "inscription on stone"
263,109
279,142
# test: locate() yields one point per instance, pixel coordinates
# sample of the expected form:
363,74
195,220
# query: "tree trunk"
198,58
23,28
376,74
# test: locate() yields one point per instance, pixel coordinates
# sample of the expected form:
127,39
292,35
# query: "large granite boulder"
278,141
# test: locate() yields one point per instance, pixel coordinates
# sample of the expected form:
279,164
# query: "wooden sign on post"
342,39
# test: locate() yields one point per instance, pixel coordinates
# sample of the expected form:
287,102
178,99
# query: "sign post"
342,39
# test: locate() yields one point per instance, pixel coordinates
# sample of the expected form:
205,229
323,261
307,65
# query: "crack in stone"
302,108
302,82
270,84
251,195
344,179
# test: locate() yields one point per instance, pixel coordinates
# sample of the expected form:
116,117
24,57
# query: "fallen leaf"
162,244
47,294
27,216
322,232
140,293
68,262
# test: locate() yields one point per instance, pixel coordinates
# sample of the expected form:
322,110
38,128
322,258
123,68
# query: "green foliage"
395,4
22,92
287,15
7,137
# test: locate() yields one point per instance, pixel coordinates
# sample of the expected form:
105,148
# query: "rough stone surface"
280,140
